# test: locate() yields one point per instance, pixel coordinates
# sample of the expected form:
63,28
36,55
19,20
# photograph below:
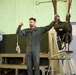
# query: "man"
33,35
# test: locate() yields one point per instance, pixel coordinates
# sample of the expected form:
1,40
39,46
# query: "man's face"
32,24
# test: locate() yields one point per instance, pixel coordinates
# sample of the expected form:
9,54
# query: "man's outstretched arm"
47,28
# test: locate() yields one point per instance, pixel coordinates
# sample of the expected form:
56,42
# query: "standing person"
33,35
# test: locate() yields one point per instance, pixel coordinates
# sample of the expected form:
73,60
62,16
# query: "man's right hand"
21,24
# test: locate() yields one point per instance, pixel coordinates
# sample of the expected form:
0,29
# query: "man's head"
32,23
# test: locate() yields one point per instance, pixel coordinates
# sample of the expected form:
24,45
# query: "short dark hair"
32,19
